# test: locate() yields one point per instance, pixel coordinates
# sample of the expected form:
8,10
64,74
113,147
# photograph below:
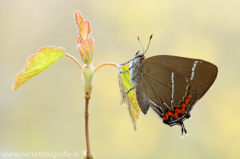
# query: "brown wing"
142,99
200,72
164,88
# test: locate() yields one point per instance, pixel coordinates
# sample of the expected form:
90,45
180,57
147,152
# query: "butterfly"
170,85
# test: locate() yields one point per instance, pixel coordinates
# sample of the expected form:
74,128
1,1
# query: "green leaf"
130,99
36,63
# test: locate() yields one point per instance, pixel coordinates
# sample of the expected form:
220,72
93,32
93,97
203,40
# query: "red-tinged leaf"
130,99
84,28
36,63
78,39
86,49
79,19
84,31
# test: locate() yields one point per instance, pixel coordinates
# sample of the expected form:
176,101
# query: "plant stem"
104,64
86,129
75,60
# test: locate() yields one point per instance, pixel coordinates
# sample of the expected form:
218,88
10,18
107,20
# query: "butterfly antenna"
140,43
148,43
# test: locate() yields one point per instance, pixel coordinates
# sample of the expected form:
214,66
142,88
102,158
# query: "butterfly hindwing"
165,88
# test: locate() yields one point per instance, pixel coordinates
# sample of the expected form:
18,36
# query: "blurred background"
46,113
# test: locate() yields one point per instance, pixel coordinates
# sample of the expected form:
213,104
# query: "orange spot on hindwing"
178,112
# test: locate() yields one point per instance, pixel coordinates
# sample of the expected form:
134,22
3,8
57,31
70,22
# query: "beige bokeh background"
46,113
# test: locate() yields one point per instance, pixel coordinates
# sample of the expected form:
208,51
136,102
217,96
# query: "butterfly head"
139,55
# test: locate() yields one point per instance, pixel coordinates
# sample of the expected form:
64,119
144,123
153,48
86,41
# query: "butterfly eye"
139,56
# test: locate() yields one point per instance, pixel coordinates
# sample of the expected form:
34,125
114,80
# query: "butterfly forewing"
202,73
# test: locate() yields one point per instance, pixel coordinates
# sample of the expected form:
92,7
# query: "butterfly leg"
129,90
127,69
126,62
